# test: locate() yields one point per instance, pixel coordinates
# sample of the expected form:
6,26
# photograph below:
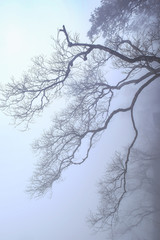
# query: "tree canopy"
124,16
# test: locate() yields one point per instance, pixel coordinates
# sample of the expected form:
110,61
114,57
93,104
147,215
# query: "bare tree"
78,71
142,189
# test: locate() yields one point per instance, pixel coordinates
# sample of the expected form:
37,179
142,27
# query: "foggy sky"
31,24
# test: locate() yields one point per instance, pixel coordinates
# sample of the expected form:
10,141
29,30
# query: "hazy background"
26,30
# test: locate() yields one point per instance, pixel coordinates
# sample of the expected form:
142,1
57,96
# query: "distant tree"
138,208
78,71
121,17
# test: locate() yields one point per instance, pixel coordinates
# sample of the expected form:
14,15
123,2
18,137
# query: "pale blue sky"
26,27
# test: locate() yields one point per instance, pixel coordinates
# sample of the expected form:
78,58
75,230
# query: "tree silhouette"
142,189
79,72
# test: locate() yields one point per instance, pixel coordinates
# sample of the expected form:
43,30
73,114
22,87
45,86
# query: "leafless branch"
78,71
